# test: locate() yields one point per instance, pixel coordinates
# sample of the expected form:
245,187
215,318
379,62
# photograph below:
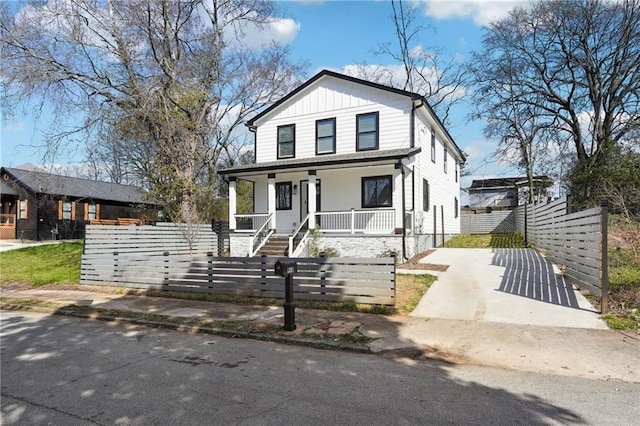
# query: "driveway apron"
515,286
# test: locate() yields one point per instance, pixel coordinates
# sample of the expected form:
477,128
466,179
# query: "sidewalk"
589,353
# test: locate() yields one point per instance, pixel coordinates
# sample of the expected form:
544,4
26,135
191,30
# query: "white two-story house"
382,171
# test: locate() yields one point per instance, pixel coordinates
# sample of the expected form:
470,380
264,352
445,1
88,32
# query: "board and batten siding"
443,187
343,100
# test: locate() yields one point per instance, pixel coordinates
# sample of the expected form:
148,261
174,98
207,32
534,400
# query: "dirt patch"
414,263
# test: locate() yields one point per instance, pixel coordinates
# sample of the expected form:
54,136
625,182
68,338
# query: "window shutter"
59,209
86,211
73,210
26,209
97,211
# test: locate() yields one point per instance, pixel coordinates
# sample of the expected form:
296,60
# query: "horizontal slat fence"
486,223
576,240
359,280
153,240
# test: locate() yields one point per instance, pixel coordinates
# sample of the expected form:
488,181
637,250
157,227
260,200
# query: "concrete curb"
182,327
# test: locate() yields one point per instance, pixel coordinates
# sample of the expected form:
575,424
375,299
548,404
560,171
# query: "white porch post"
271,199
311,194
398,196
232,203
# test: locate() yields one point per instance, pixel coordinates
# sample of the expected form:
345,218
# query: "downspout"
253,129
404,219
412,121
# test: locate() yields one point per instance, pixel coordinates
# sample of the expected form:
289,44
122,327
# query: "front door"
304,198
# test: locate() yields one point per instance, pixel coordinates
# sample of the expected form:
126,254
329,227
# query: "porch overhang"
334,161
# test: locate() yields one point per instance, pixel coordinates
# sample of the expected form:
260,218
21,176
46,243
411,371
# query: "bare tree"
169,82
426,70
575,67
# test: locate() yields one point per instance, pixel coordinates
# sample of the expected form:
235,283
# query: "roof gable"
411,97
46,183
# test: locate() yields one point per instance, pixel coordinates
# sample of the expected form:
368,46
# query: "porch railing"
261,236
298,235
352,221
251,222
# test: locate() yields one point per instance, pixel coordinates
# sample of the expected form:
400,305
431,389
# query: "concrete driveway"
516,286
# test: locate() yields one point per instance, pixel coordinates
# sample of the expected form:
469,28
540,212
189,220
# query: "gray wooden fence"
154,240
356,280
486,223
575,240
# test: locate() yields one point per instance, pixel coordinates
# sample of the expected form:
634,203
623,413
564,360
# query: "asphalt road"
67,371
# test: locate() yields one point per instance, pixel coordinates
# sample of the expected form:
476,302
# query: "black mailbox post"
287,269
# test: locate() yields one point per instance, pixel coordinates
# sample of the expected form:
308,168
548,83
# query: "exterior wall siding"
342,100
443,187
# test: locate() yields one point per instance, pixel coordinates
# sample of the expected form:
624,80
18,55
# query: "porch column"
271,198
398,195
311,202
232,203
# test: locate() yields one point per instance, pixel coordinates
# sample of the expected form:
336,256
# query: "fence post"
166,267
435,226
604,272
263,266
569,204
210,268
323,275
115,266
526,220
442,222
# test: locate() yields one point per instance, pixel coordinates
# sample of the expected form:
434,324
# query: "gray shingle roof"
505,182
46,183
324,160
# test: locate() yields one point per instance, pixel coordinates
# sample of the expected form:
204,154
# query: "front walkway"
514,286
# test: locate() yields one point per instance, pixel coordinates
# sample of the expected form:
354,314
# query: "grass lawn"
60,264
487,241
51,263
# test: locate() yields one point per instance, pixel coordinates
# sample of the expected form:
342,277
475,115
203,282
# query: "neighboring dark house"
507,192
39,206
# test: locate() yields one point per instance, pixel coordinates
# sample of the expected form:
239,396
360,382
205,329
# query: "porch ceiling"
333,161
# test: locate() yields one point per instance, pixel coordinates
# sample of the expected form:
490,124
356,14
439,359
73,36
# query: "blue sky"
335,35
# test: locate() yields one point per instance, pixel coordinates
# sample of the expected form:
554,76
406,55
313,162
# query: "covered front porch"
328,201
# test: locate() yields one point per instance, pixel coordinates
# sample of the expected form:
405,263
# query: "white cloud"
281,31
481,11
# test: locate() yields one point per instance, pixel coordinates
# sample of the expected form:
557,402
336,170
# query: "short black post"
289,306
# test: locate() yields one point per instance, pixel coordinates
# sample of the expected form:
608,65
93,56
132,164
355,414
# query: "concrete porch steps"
275,246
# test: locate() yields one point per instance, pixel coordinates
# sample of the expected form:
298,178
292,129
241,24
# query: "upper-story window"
367,131
456,171
287,141
445,159
326,136
433,146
